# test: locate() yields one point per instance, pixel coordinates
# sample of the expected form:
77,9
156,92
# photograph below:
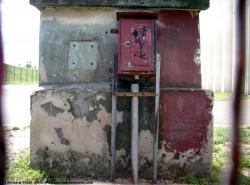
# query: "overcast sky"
20,26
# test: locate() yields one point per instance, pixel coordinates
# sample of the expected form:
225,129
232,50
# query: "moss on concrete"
72,164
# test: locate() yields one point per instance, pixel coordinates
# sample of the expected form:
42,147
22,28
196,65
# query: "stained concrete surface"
16,107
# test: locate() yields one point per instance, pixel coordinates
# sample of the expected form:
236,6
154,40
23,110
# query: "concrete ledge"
176,4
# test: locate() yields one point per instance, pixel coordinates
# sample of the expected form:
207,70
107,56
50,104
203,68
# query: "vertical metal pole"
27,72
6,72
32,75
20,74
156,121
14,73
113,124
134,132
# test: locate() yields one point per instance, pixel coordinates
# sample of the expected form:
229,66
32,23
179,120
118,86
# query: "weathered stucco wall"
70,132
71,116
60,26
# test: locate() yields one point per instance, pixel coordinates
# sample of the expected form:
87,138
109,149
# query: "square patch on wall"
82,55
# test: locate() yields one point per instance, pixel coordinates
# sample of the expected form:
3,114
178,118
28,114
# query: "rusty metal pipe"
134,133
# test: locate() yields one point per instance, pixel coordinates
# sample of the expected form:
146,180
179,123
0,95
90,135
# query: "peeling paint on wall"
145,146
51,109
197,56
59,133
87,141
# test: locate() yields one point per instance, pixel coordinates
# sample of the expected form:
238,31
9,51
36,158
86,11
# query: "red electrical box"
136,43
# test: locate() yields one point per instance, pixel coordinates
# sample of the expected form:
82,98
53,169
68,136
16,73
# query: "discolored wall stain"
88,106
59,134
51,109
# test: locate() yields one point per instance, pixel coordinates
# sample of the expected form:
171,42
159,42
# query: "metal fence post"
27,74
14,73
5,72
32,75
20,74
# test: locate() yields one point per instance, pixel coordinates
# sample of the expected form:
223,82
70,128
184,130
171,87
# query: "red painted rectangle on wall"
178,44
185,116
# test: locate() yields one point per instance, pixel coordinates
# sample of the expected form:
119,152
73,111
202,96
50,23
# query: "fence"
14,74
217,28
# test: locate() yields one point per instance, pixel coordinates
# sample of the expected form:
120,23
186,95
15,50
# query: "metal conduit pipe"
134,132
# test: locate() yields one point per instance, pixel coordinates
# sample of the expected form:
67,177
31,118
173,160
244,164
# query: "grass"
221,156
18,170
244,180
191,179
9,129
245,135
20,75
220,96
221,135
245,160
20,83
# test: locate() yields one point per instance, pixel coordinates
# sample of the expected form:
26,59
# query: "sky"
20,29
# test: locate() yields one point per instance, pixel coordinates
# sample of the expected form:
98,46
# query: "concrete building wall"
71,116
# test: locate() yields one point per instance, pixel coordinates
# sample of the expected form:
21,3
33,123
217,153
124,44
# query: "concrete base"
70,132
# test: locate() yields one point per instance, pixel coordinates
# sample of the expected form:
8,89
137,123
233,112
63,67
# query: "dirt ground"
17,140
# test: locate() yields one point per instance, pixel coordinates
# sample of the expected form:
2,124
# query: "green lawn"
219,96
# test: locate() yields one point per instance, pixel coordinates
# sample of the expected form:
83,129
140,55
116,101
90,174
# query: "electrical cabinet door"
137,47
